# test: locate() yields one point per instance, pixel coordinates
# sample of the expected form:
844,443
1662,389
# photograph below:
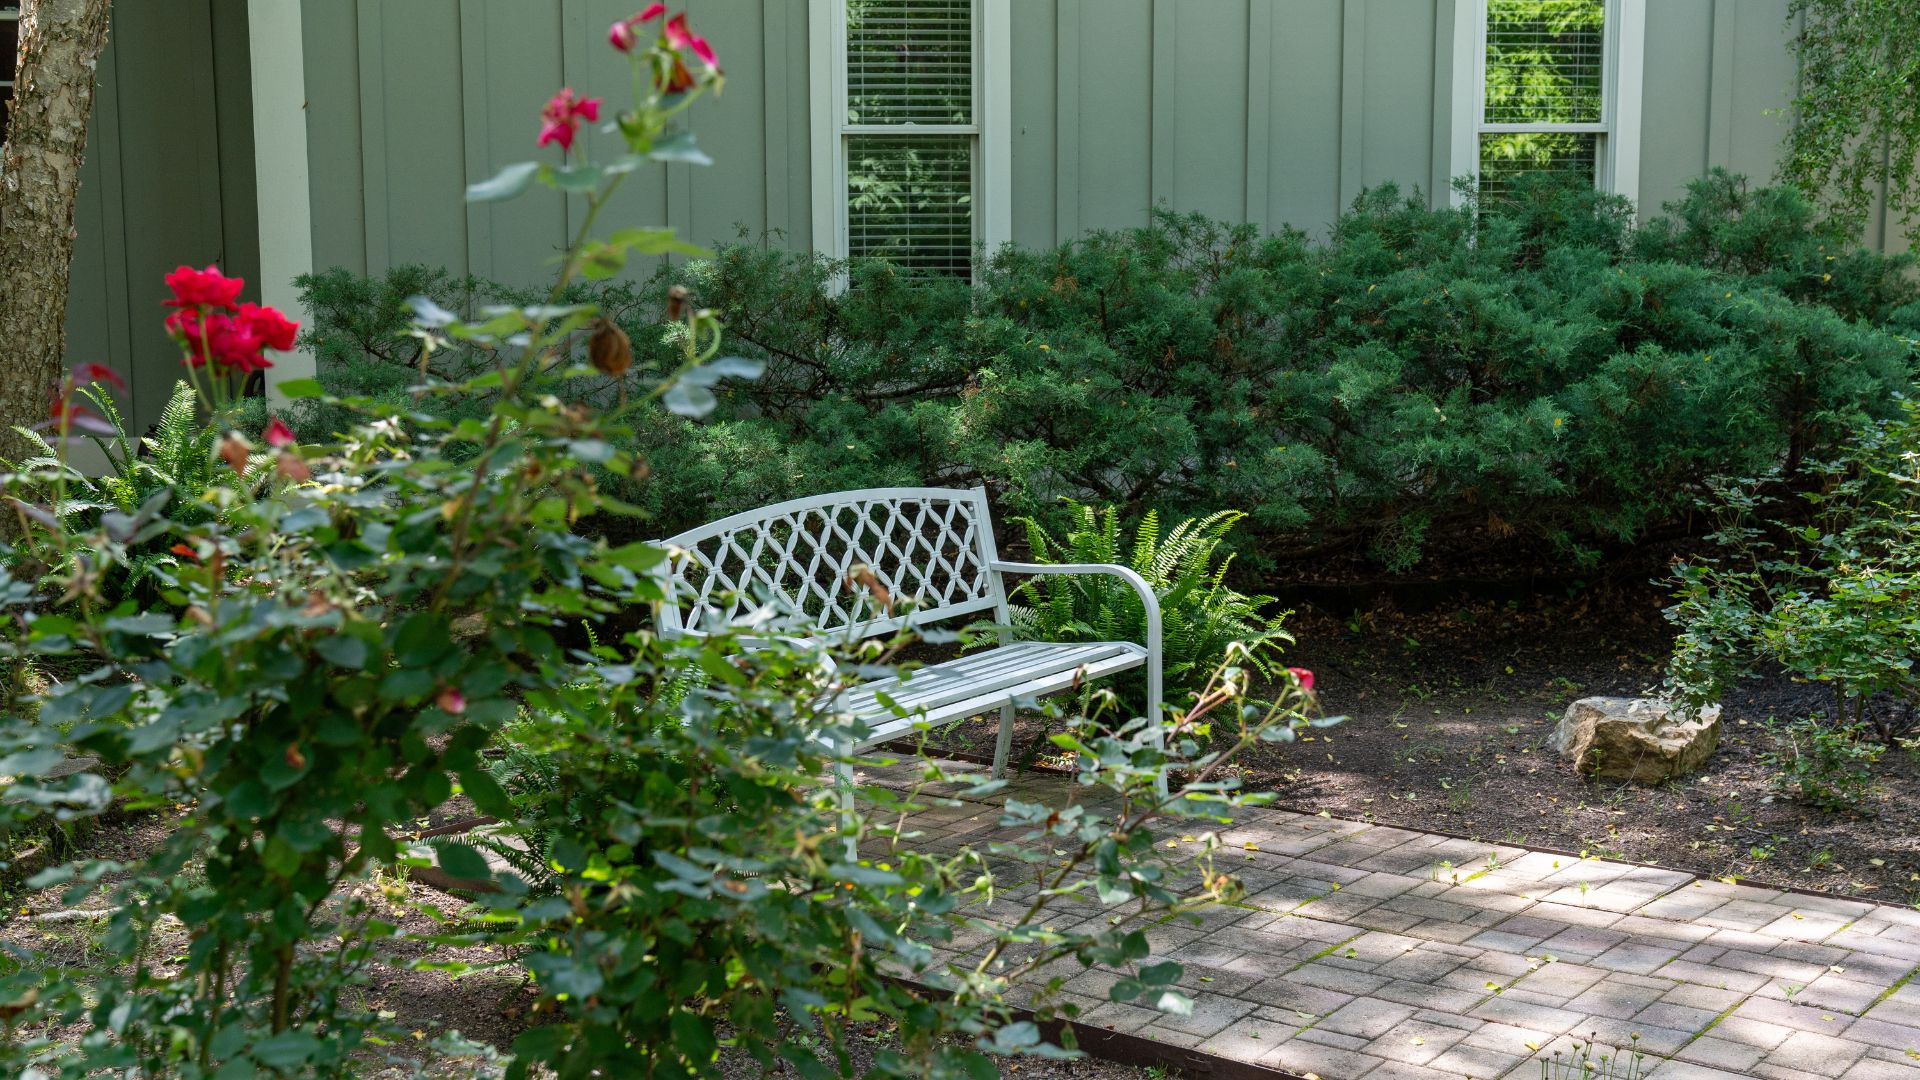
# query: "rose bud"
610,349
236,452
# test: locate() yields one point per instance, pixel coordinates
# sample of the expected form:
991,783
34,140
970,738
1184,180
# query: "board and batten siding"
410,102
168,179
1271,111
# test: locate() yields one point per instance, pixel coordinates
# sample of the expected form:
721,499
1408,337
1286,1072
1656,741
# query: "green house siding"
168,180
1273,111
408,103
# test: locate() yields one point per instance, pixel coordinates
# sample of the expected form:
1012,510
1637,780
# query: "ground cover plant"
1828,590
337,651
1535,381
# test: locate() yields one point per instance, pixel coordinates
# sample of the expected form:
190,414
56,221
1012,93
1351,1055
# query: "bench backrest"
928,549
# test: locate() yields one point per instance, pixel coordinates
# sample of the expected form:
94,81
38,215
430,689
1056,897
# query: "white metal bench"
930,552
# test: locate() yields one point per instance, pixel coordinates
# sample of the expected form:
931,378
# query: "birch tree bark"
46,141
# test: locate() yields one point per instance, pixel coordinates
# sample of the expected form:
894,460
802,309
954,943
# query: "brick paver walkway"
1367,951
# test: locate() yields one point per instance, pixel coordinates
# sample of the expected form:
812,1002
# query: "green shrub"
1534,376
1200,613
1825,766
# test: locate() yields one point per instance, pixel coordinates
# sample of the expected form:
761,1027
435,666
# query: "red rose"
203,288
235,342
278,434
1304,676
185,326
272,327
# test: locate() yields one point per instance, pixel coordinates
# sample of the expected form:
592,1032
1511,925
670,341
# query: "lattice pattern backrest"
927,548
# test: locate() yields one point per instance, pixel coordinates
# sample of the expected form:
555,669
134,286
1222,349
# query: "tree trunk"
60,44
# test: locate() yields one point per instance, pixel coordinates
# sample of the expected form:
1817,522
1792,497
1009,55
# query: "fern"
177,461
1200,613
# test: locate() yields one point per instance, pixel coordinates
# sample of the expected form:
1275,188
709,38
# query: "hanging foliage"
1856,122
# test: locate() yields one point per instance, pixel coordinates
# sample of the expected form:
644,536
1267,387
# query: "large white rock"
1644,740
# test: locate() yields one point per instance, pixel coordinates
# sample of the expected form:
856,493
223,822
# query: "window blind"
910,190
910,61
910,200
1507,155
1546,62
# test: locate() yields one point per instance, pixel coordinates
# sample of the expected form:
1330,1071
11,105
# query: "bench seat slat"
982,682
937,684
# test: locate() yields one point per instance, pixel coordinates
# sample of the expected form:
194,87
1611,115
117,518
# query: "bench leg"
1156,715
843,793
1003,745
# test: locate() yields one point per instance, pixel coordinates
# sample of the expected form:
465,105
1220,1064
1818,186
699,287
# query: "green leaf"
679,147
486,792
577,179
342,650
280,857
1161,974
693,1037
657,242
147,625
296,389
508,183
601,261
689,400
727,367
287,1050
406,684
463,861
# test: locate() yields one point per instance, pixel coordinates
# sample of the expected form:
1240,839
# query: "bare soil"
1447,716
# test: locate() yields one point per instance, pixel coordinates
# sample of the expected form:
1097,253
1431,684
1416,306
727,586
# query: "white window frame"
992,128
1623,83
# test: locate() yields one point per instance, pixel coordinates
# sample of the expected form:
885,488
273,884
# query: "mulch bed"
1449,709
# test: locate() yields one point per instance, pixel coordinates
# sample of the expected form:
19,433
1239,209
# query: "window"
910,130
9,56
1549,86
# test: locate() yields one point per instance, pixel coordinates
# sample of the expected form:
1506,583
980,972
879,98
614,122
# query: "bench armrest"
1147,600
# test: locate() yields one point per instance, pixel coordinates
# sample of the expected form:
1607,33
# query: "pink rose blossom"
679,37
560,120
621,35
